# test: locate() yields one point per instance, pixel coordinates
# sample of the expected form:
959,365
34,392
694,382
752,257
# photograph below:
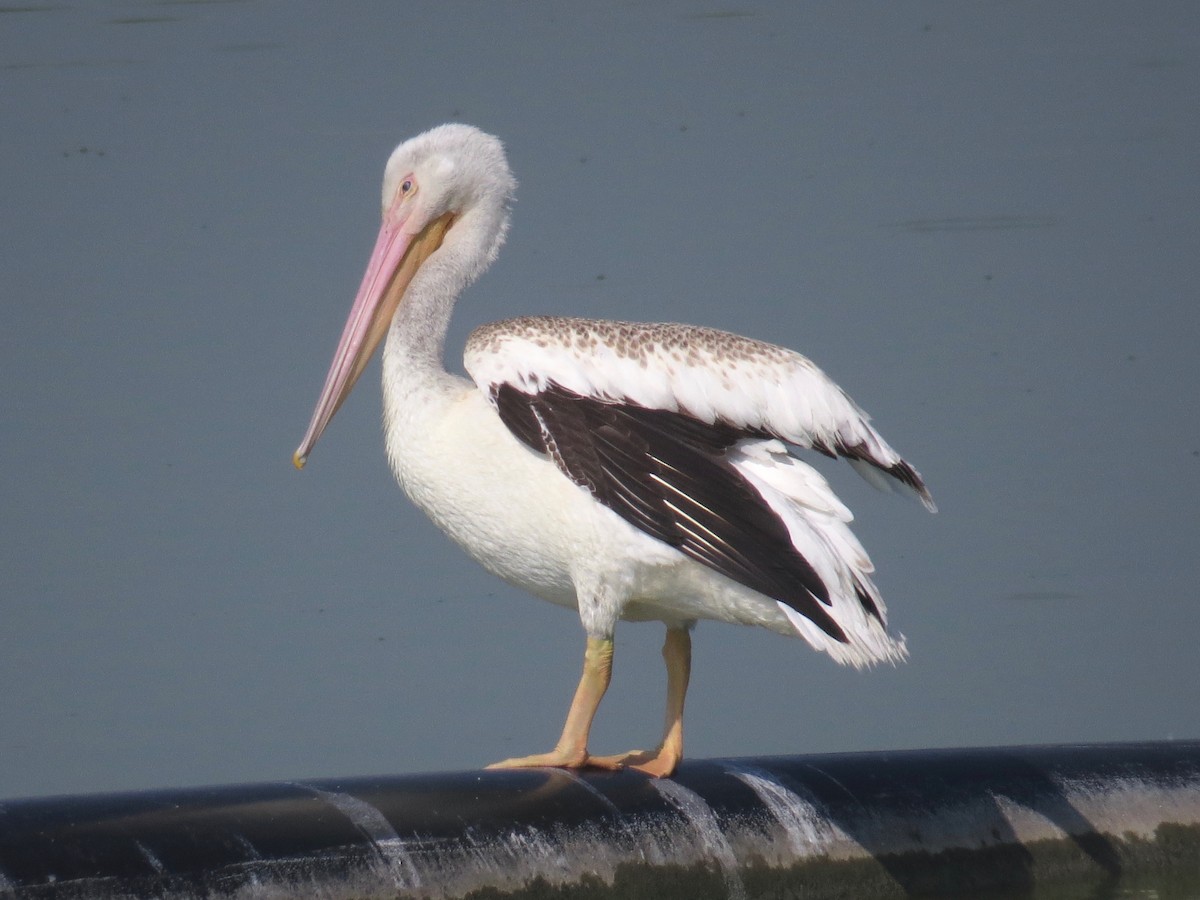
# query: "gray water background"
980,218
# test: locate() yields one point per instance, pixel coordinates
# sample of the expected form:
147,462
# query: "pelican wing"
671,476
681,431
714,377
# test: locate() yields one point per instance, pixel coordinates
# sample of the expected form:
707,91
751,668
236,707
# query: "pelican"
626,470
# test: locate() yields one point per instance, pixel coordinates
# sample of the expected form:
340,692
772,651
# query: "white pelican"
627,470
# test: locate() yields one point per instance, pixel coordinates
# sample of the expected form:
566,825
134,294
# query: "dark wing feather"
901,470
666,473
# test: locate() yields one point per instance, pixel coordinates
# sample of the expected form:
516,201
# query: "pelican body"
627,470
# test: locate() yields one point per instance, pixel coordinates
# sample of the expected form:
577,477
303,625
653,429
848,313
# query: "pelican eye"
407,186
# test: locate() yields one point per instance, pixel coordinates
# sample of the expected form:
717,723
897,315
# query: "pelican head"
445,190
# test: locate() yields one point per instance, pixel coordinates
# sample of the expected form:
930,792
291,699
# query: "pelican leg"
659,763
571,750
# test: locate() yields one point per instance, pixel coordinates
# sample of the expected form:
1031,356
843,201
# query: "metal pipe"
863,825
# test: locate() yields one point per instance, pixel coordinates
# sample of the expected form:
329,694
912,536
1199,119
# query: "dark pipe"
950,822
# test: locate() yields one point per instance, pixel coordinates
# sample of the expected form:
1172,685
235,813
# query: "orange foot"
656,763
558,759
